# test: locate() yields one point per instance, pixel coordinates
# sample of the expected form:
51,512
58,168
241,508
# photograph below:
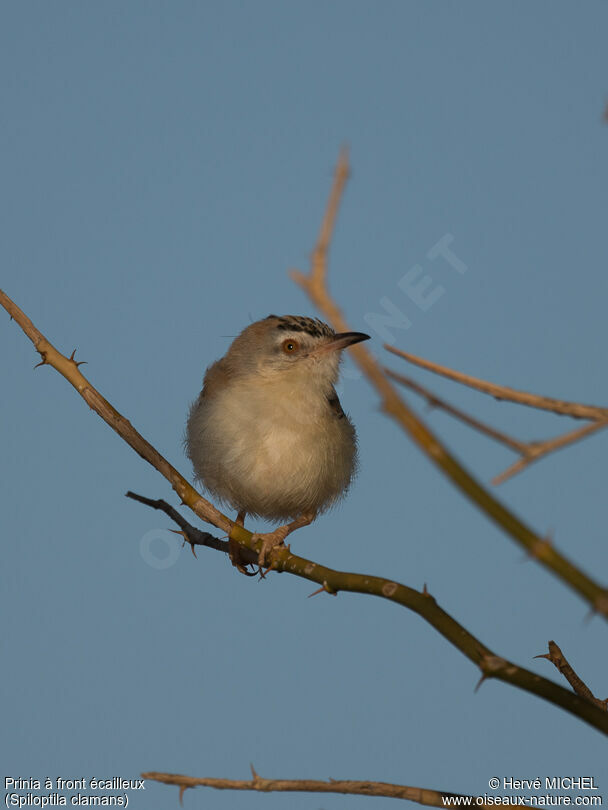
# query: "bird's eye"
290,346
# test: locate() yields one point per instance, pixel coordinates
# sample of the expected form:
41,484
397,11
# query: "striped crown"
298,323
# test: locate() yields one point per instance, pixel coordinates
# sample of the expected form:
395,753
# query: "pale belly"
271,459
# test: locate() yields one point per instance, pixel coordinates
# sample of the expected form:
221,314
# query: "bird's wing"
217,377
334,404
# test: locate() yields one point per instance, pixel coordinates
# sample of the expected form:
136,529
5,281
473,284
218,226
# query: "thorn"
42,362
247,573
544,655
480,681
76,362
186,540
254,773
425,591
325,587
262,573
242,569
182,790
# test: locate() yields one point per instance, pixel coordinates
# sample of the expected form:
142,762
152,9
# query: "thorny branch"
536,450
315,285
529,451
192,535
576,410
68,367
556,656
433,798
435,401
421,602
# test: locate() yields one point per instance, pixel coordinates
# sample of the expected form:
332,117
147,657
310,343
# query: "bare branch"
436,402
529,451
314,284
576,410
192,535
68,367
556,656
319,256
433,798
536,450
425,605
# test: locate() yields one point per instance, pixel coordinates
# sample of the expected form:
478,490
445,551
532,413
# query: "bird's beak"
341,341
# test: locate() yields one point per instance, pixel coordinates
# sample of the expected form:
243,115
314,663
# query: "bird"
267,435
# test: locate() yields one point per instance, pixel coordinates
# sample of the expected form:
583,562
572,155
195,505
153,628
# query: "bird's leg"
235,551
277,537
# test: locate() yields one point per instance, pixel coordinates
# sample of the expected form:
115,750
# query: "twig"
529,451
436,402
194,536
314,284
190,533
425,605
68,367
556,656
536,450
576,410
319,254
433,798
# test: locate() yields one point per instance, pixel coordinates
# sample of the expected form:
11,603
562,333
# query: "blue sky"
163,166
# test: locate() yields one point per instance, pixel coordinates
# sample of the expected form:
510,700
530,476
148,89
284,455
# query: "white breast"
274,449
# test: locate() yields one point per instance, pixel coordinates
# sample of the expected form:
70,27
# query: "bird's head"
292,346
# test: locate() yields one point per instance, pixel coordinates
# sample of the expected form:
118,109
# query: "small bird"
267,434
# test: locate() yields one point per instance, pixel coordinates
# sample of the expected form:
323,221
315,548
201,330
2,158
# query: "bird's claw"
236,558
269,542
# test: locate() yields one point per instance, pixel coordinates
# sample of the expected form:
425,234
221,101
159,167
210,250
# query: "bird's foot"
270,540
277,537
